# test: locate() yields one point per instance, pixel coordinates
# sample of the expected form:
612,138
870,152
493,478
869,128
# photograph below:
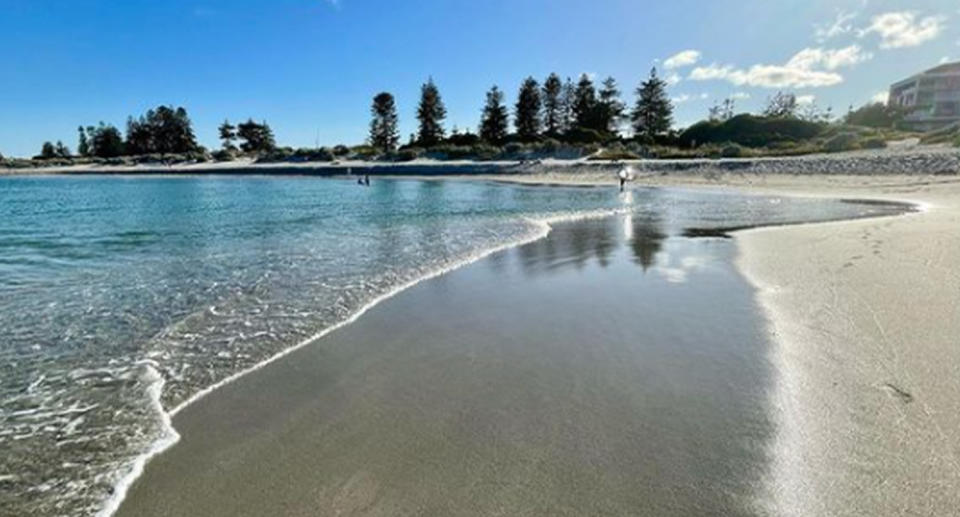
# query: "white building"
931,99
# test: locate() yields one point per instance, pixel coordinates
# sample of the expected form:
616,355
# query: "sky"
311,67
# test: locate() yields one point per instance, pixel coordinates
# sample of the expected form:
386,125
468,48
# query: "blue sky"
311,67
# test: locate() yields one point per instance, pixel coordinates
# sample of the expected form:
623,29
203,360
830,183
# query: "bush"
584,136
463,152
614,152
312,155
731,151
341,150
224,155
873,143
405,155
841,142
941,136
749,130
365,152
463,139
278,154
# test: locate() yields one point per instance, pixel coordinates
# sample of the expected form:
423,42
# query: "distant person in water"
366,179
623,175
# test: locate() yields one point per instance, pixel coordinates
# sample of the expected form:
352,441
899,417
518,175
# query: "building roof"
945,68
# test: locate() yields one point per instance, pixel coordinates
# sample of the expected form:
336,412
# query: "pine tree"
494,120
105,141
83,147
527,115
139,136
256,137
781,105
383,126
228,134
609,108
584,106
653,113
48,151
430,113
567,99
553,116
62,150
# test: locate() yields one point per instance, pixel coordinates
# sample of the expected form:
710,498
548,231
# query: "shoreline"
283,397
914,160
356,316
887,189
172,436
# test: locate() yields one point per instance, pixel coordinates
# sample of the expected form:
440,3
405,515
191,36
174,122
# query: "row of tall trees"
557,109
162,130
255,137
102,141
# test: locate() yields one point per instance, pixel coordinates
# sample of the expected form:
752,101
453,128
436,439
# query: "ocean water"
123,298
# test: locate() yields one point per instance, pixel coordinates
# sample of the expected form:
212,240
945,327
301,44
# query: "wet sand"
592,372
865,321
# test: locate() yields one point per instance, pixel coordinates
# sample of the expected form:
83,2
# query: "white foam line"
168,439
171,437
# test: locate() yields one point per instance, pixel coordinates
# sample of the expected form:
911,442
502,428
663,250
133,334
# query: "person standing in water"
623,175
366,179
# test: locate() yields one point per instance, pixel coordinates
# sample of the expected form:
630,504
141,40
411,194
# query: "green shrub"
941,136
224,155
614,152
731,151
749,130
841,142
463,139
463,152
312,155
873,143
405,155
365,152
582,135
341,150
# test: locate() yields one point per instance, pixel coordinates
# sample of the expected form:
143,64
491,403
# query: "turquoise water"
121,298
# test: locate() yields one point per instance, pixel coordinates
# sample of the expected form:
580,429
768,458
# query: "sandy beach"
863,374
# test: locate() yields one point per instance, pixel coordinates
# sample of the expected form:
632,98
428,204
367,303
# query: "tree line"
161,131
563,110
580,112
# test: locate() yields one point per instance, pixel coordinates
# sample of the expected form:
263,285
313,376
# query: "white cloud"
682,59
806,100
685,97
880,97
903,29
840,25
739,95
767,76
830,59
673,78
808,68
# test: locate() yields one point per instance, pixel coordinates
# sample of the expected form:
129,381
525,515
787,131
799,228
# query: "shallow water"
117,291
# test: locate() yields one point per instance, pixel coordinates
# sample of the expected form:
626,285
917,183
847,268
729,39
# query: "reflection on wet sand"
598,240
